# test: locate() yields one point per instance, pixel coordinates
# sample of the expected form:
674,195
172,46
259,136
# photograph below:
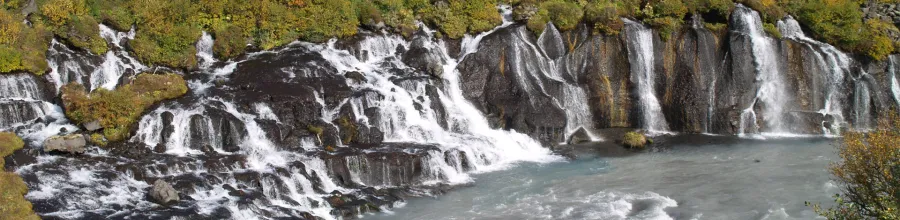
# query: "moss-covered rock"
118,109
634,140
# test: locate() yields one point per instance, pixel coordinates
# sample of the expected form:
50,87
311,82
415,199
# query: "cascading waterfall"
116,61
205,51
640,54
836,63
771,87
895,86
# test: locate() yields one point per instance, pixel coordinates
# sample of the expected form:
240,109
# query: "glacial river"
736,179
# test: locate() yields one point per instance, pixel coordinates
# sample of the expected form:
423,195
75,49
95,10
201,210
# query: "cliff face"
736,82
339,128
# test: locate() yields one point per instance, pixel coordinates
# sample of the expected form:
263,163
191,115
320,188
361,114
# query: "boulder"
163,193
634,140
580,136
92,125
69,143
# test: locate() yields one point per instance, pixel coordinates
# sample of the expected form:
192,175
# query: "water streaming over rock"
643,73
835,67
770,89
117,62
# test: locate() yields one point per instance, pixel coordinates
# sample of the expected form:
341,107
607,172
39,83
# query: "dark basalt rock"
580,136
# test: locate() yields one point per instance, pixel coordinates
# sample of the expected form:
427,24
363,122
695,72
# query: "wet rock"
74,143
163,193
580,136
356,76
92,125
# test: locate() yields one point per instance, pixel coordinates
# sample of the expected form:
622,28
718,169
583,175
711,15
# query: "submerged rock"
163,193
580,136
69,143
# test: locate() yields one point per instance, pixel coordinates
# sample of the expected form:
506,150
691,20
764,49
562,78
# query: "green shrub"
604,15
118,109
458,17
230,42
772,30
563,14
634,140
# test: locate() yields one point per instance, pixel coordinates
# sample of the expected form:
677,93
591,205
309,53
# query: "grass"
118,109
13,205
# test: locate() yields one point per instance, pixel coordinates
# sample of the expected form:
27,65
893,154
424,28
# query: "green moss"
634,140
118,109
715,27
349,128
98,139
9,143
772,30
458,17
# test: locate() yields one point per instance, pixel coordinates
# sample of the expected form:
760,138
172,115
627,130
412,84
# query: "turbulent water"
732,180
332,130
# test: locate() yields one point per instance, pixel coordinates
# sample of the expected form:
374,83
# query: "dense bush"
868,173
118,109
839,22
69,19
22,48
455,18
565,15
603,15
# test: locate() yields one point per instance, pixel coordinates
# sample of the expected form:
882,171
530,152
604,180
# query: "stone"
580,136
163,193
635,140
69,143
92,125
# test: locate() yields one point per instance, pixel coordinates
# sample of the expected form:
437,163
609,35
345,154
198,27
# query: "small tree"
869,172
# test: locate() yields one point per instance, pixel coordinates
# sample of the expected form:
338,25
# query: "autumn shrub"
565,15
9,143
70,20
455,18
118,109
22,48
869,175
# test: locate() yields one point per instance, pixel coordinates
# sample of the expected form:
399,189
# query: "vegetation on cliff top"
118,109
167,29
12,189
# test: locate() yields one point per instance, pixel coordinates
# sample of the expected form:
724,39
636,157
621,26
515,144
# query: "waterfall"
771,91
205,51
836,63
862,101
640,55
116,62
895,86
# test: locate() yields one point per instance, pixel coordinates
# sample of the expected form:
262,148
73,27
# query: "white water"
205,51
895,86
835,62
771,90
116,62
640,53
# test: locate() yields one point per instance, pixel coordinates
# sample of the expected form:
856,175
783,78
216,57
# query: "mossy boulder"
635,140
118,109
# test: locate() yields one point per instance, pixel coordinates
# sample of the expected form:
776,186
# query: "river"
737,179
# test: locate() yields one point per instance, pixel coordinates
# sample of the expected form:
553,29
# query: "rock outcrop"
73,143
163,193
